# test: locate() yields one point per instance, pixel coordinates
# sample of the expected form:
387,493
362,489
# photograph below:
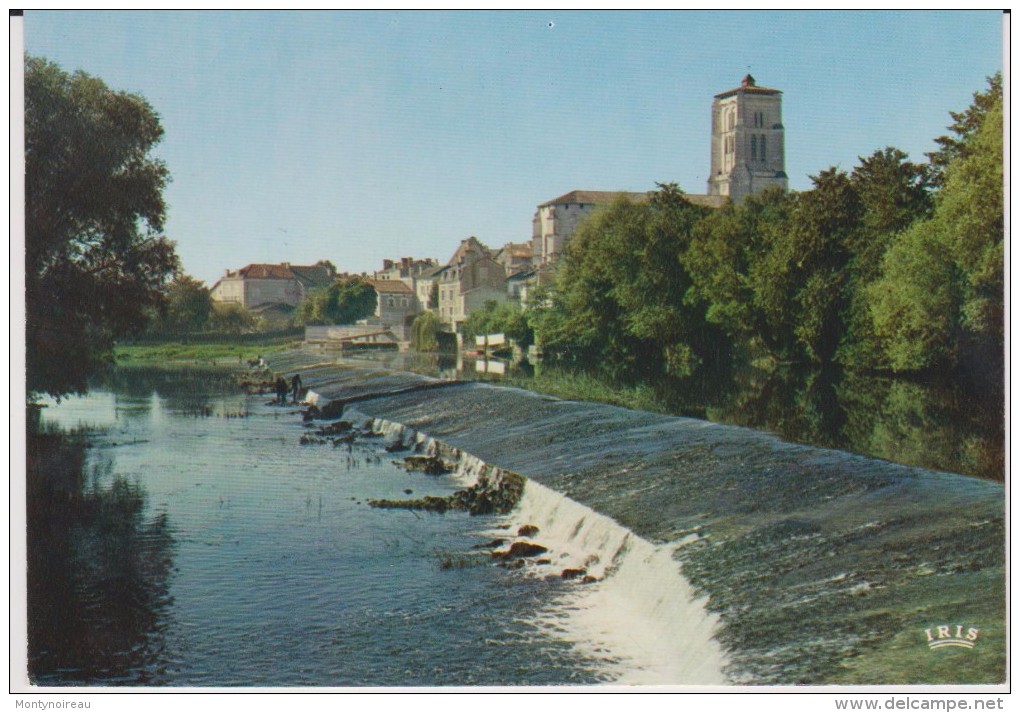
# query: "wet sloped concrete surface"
824,567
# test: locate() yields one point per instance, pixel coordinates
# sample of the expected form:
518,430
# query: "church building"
748,154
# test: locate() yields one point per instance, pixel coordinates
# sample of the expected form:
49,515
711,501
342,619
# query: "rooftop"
390,287
263,271
309,275
748,86
313,275
605,197
471,245
518,250
593,197
432,272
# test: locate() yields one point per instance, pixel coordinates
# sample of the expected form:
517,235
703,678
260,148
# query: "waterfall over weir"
722,554
644,614
641,618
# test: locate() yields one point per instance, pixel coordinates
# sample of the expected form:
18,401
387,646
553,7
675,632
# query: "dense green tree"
723,248
584,320
500,318
941,288
798,279
914,305
96,262
784,274
965,125
434,295
188,306
970,212
344,302
231,318
425,332
894,193
826,225
621,294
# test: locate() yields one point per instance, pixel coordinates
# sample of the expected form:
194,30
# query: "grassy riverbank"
219,353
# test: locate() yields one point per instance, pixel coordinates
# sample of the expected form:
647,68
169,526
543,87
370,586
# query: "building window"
754,147
763,148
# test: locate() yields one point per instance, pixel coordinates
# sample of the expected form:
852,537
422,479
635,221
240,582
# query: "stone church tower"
748,154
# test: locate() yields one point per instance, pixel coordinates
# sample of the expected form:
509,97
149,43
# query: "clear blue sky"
358,136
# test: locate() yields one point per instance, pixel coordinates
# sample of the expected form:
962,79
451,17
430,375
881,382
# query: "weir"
790,564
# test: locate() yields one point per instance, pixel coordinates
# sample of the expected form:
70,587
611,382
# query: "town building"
406,269
395,307
748,156
426,287
417,274
470,279
748,151
514,257
556,220
260,284
518,283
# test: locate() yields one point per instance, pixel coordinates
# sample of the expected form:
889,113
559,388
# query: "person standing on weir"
295,385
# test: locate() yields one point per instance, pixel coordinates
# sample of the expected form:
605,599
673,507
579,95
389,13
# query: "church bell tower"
748,152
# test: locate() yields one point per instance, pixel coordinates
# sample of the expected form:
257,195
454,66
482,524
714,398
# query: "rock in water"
524,549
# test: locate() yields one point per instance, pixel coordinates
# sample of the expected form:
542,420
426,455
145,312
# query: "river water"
210,548
936,423
203,545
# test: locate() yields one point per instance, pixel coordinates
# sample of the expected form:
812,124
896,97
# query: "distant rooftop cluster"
747,156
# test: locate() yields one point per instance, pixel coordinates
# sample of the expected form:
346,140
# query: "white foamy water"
468,467
642,617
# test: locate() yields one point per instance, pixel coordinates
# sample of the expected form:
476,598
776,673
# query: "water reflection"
464,367
934,424
175,549
189,390
98,570
938,423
